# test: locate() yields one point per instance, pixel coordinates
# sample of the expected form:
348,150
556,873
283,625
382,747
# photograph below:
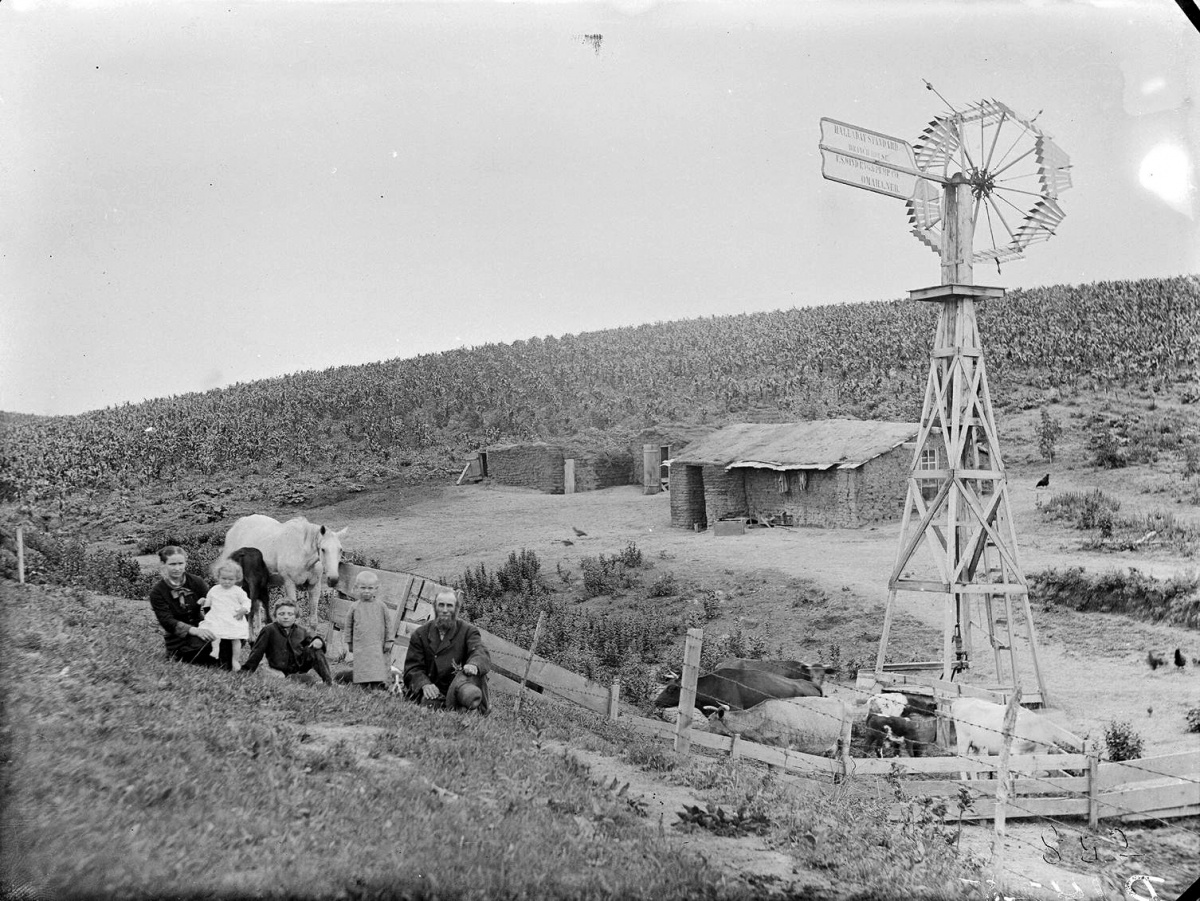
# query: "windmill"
986,172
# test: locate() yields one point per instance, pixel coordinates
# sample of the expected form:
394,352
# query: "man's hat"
469,696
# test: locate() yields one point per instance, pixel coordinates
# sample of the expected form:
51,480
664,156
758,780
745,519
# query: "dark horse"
256,581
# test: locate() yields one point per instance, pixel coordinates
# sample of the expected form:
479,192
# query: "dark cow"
789,669
256,581
738,689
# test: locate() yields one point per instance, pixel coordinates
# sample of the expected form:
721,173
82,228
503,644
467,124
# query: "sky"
194,194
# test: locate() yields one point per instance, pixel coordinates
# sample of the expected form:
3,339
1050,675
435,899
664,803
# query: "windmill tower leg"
967,519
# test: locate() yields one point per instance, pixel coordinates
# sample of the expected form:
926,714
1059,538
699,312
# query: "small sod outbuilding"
554,468
831,472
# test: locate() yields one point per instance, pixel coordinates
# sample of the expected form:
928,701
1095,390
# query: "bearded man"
447,663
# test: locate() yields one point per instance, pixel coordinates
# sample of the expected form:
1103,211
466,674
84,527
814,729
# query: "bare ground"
1094,666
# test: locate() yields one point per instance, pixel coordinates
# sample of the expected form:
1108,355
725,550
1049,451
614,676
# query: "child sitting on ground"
370,633
226,607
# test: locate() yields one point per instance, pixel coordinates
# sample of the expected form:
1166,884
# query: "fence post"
1093,783
1002,785
687,690
614,698
537,633
735,751
21,554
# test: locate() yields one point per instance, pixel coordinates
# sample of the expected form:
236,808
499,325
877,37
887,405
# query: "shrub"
1106,448
631,556
1083,509
522,572
478,587
1049,431
358,558
662,587
1122,742
1193,720
606,575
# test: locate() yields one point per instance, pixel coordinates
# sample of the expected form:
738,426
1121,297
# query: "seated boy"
288,647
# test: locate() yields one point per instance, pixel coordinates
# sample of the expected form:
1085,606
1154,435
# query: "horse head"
329,549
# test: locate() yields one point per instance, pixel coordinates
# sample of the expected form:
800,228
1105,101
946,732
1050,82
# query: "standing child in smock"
225,609
370,633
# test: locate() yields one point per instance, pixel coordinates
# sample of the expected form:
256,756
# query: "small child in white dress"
226,607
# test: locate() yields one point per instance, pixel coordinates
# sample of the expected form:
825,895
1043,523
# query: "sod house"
553,468
833,472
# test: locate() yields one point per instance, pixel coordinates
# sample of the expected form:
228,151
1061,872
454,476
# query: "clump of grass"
1095,510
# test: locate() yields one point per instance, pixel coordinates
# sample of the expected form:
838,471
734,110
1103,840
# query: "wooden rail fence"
1148,788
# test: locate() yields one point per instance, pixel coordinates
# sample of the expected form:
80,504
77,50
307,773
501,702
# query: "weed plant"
606,575
1121,741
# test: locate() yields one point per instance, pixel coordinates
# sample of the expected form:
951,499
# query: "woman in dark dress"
175,600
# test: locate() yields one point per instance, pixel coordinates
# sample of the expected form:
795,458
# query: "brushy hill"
408,418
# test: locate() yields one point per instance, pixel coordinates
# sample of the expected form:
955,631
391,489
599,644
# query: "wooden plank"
1022,788
339,611
393,587
1166,814
545,676
645,724
791,761
1149,799
915,666
1024,763
1111,775
985,808
502,682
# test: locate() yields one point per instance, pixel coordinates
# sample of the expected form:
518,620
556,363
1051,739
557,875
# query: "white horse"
298,553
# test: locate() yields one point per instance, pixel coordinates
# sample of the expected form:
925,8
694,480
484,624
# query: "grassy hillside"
414,418
128,776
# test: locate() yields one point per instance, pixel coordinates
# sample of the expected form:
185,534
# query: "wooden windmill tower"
957,541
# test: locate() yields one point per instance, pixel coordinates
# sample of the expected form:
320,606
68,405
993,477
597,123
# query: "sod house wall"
593,473
832,498
536,465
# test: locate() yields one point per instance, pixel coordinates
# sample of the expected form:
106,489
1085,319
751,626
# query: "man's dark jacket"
431,658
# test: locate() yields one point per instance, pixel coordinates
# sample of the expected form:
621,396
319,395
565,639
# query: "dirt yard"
1094,666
